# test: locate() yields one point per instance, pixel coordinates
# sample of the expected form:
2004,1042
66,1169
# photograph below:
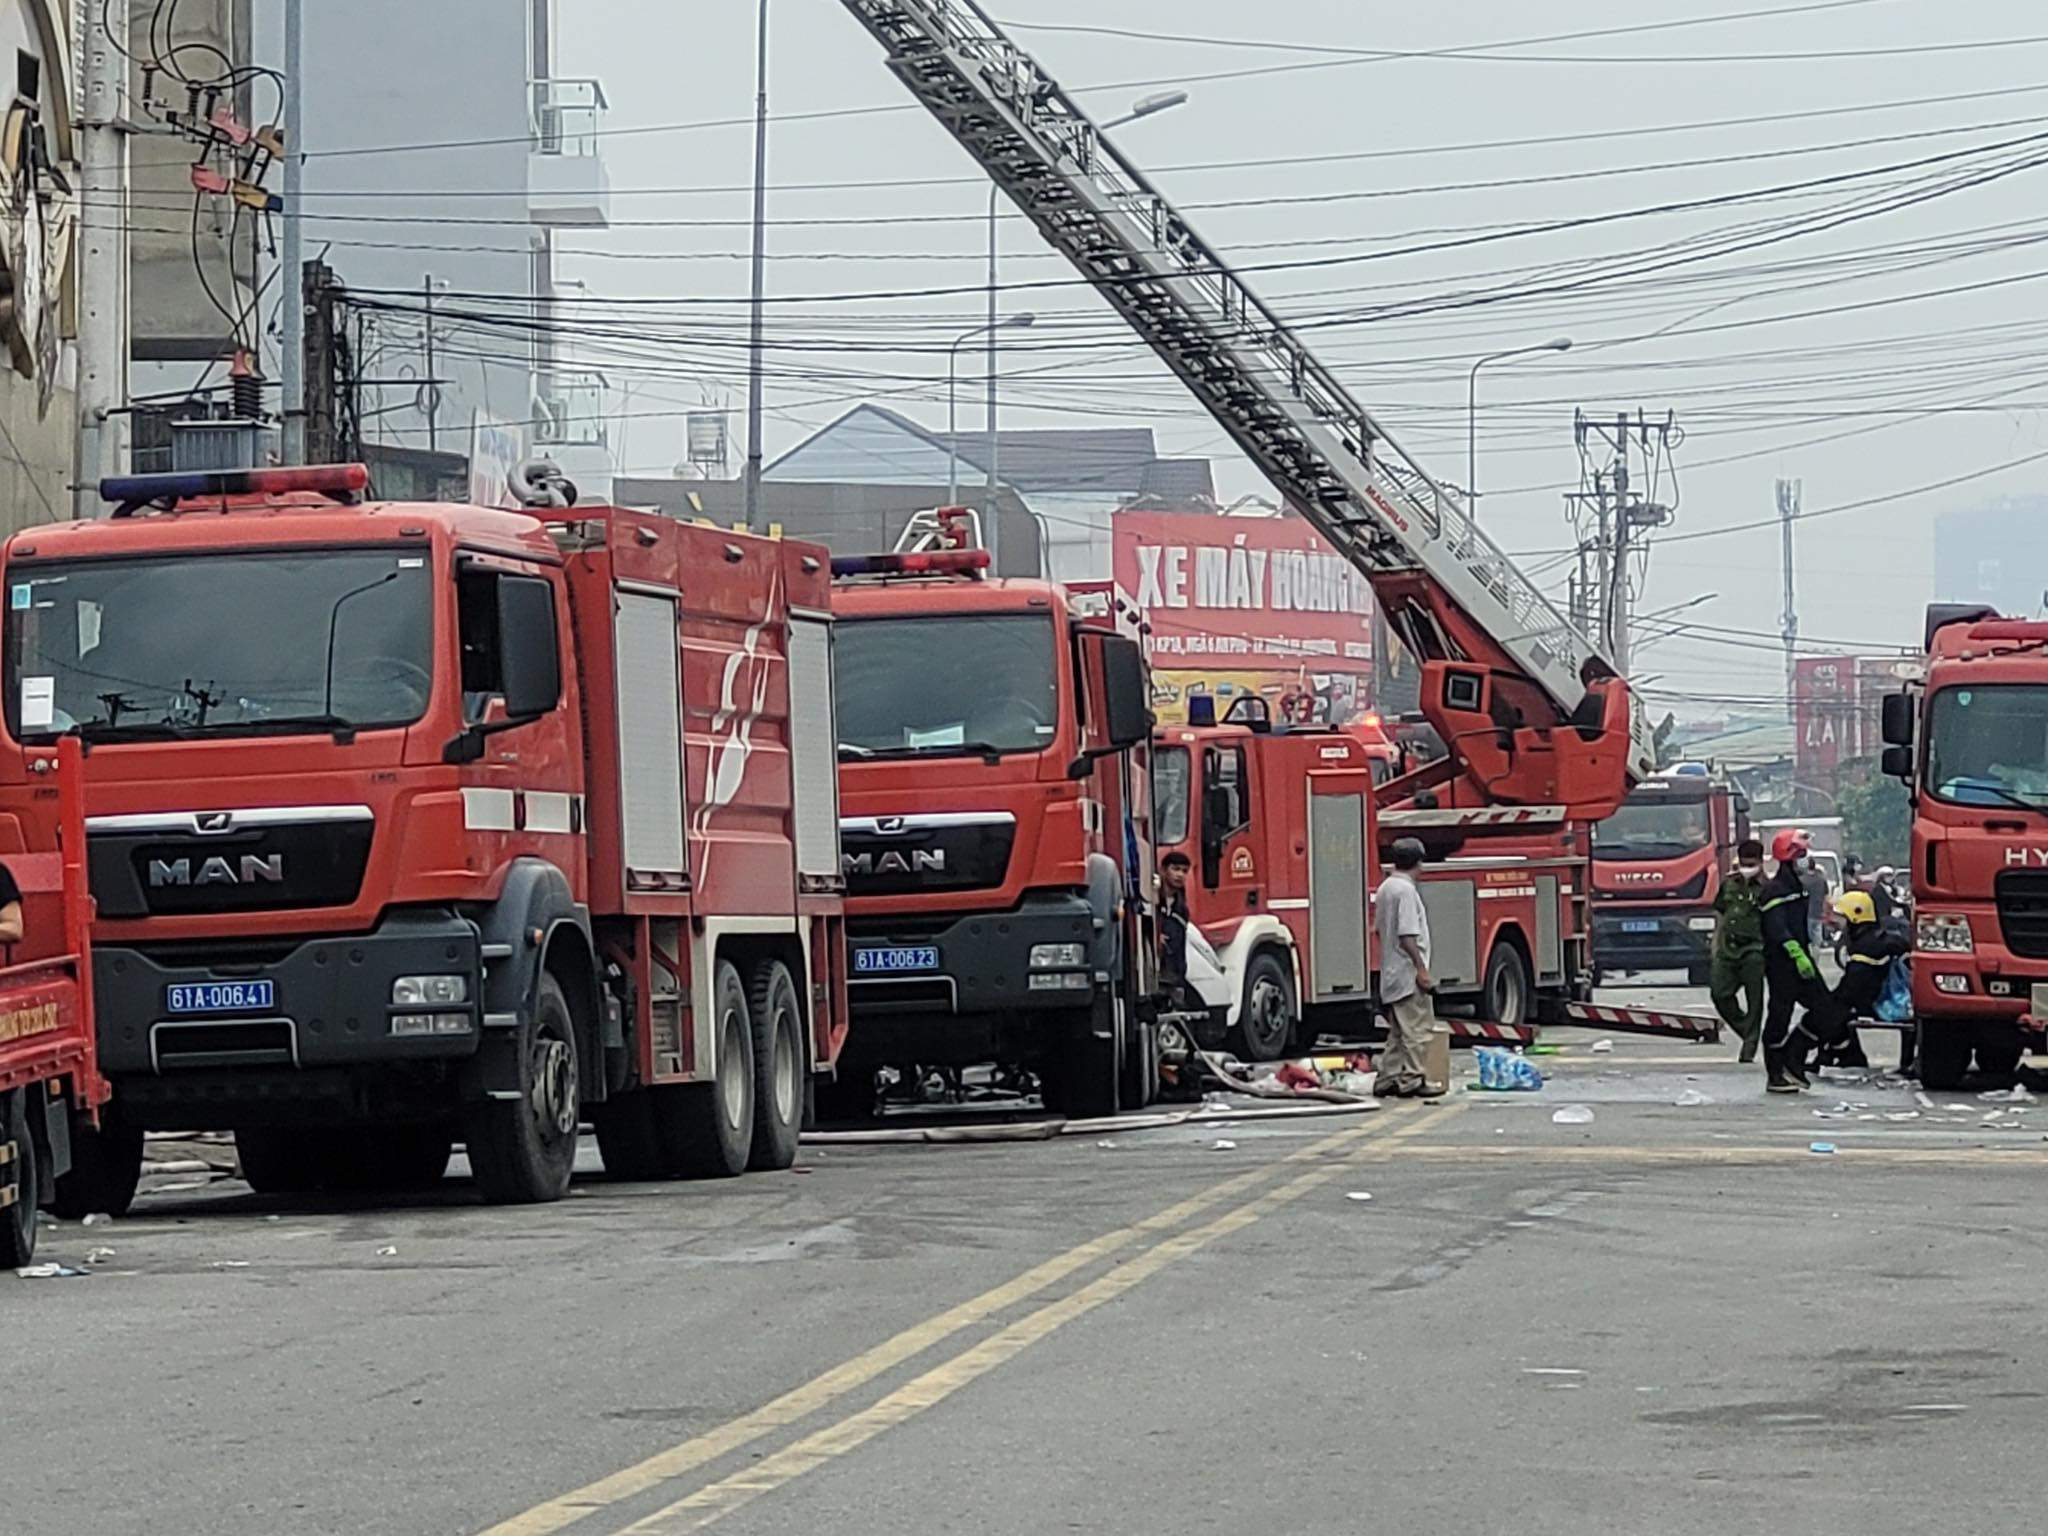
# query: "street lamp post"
1558,344
1010,323
1148,106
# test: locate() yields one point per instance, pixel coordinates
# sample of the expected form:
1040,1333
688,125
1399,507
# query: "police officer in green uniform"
1736,978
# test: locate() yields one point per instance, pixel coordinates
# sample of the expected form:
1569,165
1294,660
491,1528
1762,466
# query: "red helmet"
1790,843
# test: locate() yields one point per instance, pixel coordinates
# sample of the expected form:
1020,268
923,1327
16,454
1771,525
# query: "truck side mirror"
1897,721
1897,761
1127,702
529,660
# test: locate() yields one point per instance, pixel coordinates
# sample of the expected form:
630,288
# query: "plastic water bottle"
1526,1074
1489,1067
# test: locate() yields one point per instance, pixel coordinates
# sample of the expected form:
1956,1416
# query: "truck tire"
1505,994
1268,1016
1140,1084
714,1121
780,1066
282,1159
18,1219
106,1165
1083,1075
1944,1054
522,1151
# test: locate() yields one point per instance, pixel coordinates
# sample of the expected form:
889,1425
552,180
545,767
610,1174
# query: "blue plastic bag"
1895,999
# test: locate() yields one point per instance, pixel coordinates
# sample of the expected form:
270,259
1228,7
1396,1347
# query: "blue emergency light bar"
340,481
928,563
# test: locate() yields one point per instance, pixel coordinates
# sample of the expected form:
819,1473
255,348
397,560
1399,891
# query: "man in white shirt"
1405,982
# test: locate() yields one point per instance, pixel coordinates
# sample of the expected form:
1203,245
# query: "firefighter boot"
1776,1078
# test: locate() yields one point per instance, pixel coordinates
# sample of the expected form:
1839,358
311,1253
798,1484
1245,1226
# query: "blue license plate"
896,958
1639,925
221,997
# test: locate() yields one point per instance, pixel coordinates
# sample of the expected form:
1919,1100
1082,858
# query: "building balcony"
567,184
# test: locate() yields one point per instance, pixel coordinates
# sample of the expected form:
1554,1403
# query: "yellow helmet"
1856,907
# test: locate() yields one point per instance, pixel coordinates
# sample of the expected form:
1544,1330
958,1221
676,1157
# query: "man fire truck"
50,1087
1658,863
1970,741
1541,737
995,827
415,822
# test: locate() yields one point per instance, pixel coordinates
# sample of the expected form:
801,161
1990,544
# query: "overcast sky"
1841,400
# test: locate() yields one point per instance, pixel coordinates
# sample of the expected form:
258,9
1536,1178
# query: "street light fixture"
1556,344
1148,106
1007,323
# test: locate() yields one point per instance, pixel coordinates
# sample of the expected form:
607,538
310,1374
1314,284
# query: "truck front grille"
2023,912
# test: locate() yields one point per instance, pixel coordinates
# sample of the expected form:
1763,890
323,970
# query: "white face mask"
1749,871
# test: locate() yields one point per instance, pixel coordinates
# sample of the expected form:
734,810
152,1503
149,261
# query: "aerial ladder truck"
1541,734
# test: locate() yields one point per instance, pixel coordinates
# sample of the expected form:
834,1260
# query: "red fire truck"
1658,863
992,778
1971,743
50,1084
416,822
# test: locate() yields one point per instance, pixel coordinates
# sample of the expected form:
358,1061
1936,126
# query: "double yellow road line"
1171,1239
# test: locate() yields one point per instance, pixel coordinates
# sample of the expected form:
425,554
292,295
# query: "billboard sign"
1251,594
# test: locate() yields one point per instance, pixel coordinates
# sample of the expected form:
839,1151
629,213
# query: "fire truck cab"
1658,863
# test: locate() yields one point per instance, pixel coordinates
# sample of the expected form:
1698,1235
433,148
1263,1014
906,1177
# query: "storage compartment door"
1339,899
1453,933
650,737
814,748
1549,948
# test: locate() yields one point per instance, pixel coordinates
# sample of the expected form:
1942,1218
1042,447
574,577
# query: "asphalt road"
1673,1319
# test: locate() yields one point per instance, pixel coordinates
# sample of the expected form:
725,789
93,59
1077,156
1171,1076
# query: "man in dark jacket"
1869,945
1791,977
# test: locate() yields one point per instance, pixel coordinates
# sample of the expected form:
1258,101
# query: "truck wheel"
1944,1054
106,1165
1083,1075
280,1159
780,1064
17,1218
523,1150
1505,995
1141,1065
714,1122
1267,1017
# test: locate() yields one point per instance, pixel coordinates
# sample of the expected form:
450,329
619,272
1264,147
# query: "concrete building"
38,223
443,154
1071,480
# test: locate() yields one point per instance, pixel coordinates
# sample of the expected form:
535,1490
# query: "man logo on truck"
250,869
917,861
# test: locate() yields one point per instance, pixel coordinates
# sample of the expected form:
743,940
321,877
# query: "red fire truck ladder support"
1451,591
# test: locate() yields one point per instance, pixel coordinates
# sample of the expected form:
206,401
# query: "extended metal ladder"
1289,414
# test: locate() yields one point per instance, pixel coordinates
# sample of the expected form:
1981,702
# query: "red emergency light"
944,562
342,482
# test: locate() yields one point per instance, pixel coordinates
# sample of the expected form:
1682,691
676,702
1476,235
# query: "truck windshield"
1989,745
219,645
946,686
1663,829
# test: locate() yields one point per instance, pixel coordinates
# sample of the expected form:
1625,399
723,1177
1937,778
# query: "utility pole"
320,423
103,313
1788,514
292,369
1620,512
754,348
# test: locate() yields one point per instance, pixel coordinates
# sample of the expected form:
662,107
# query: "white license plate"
896,958
221,997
